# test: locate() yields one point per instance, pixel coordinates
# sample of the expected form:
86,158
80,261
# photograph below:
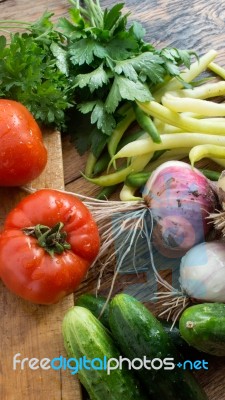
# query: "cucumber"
139,334
95,305
203,327
85,336
187,351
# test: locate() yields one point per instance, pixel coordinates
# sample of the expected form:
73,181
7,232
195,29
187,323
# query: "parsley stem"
13,21
95,12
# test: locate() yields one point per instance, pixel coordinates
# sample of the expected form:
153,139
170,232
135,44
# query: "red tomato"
22,152
45,274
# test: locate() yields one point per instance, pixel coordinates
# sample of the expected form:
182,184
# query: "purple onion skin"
180,198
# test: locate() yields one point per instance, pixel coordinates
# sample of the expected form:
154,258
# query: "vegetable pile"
97,70
135,107
92,63
135,335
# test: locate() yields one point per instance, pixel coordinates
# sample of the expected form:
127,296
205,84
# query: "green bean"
106,192
219,161
119,131
147,124
101,164
168,155
91,160
157,154
138,179
212,175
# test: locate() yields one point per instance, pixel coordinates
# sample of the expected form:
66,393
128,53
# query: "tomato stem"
53,240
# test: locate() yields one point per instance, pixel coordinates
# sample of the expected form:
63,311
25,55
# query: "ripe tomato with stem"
49,241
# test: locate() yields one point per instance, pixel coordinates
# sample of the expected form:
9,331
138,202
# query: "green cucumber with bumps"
85,336
139,334
203,327
96,304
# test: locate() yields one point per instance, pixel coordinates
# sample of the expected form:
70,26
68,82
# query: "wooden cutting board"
31,330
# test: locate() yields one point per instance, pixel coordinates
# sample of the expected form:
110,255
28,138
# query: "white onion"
202,272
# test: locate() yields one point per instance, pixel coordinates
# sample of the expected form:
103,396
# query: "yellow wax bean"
127,194
187,124
206,150
202,92
188,75
138,164
169,141
201,107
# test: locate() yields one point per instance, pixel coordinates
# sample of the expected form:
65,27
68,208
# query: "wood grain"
31,330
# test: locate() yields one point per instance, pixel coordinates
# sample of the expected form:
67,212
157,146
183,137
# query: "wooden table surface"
197,25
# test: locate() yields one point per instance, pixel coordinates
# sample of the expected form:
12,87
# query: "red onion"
180,198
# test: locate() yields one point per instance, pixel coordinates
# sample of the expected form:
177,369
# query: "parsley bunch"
91,64
112,64
29,72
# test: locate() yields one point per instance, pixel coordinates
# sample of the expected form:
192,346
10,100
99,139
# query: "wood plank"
31,330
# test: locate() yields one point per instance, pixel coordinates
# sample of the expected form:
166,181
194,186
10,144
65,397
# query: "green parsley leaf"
93,80
76,18
144,63
70,30
138,30
123,88
105,121
86,107
122,47
111,17
61,58
84,50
